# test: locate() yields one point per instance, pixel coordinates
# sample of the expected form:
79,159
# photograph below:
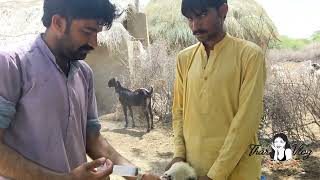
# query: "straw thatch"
246,19
20,22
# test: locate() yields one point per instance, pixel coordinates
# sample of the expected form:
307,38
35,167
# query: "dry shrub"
311,52
292,104
155,68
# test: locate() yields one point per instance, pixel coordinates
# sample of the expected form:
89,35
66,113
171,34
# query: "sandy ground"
153,151
149,151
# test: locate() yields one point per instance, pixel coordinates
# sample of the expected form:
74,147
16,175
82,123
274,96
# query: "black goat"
128,98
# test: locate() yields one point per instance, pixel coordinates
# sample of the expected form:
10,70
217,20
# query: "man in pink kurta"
45,113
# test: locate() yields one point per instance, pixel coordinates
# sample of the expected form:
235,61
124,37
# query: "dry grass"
311,52
20,22
246,19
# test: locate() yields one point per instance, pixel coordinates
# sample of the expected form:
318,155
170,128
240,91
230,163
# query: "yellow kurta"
217,108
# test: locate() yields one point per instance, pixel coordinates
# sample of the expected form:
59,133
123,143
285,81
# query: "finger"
168,167
109,165
105,172
94,164
171,164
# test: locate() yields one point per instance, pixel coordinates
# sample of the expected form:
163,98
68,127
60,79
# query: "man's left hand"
204,178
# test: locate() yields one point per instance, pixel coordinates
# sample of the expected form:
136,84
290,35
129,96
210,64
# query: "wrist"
140,176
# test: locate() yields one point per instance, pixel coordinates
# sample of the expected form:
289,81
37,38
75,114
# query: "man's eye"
86,33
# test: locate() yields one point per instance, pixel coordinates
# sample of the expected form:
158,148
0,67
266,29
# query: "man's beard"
218,27
81,53
65,47
209,36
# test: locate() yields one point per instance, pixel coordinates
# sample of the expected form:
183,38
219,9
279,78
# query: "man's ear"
59,24
223,10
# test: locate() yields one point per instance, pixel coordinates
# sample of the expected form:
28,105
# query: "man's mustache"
200,31
86,47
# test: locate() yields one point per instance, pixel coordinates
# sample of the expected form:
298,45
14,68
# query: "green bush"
290,43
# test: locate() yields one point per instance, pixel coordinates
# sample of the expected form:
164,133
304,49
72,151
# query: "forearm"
275,157
15,166
179,144
177,116
97,147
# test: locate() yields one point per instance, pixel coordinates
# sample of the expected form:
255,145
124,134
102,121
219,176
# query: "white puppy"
180,171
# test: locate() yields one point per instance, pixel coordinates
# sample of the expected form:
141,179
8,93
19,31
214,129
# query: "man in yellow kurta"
218,97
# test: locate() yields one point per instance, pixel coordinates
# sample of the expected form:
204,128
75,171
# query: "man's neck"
209,45
61,62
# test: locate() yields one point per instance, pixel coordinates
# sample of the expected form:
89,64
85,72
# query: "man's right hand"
88,170
174,160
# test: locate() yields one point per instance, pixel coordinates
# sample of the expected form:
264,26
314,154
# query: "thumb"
169,165
96,163
109,164
105,171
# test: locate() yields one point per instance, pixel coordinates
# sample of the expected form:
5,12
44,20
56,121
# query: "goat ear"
112,79
118,84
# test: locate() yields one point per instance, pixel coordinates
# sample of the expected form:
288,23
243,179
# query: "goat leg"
125,115
151,115
131,113
147,117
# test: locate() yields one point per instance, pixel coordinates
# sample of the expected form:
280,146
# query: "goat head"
112,82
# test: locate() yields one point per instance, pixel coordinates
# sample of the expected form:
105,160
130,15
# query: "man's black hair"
102,10
196,6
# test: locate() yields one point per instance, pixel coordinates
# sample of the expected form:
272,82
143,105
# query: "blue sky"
294,18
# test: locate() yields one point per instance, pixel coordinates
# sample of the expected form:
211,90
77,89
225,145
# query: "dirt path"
150,151
153,151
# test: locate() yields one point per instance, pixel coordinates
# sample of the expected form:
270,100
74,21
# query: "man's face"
206,25
279,143
79,39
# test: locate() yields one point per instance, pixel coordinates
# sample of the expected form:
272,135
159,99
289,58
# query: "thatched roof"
246,19
21,21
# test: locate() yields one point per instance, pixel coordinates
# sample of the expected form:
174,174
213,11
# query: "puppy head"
315,66
180,171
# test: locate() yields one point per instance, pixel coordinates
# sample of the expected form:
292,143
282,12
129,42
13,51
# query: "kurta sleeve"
93,124
245,124
10,87
177,112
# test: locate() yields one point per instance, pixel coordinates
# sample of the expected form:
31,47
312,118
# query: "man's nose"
93,41
195,24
